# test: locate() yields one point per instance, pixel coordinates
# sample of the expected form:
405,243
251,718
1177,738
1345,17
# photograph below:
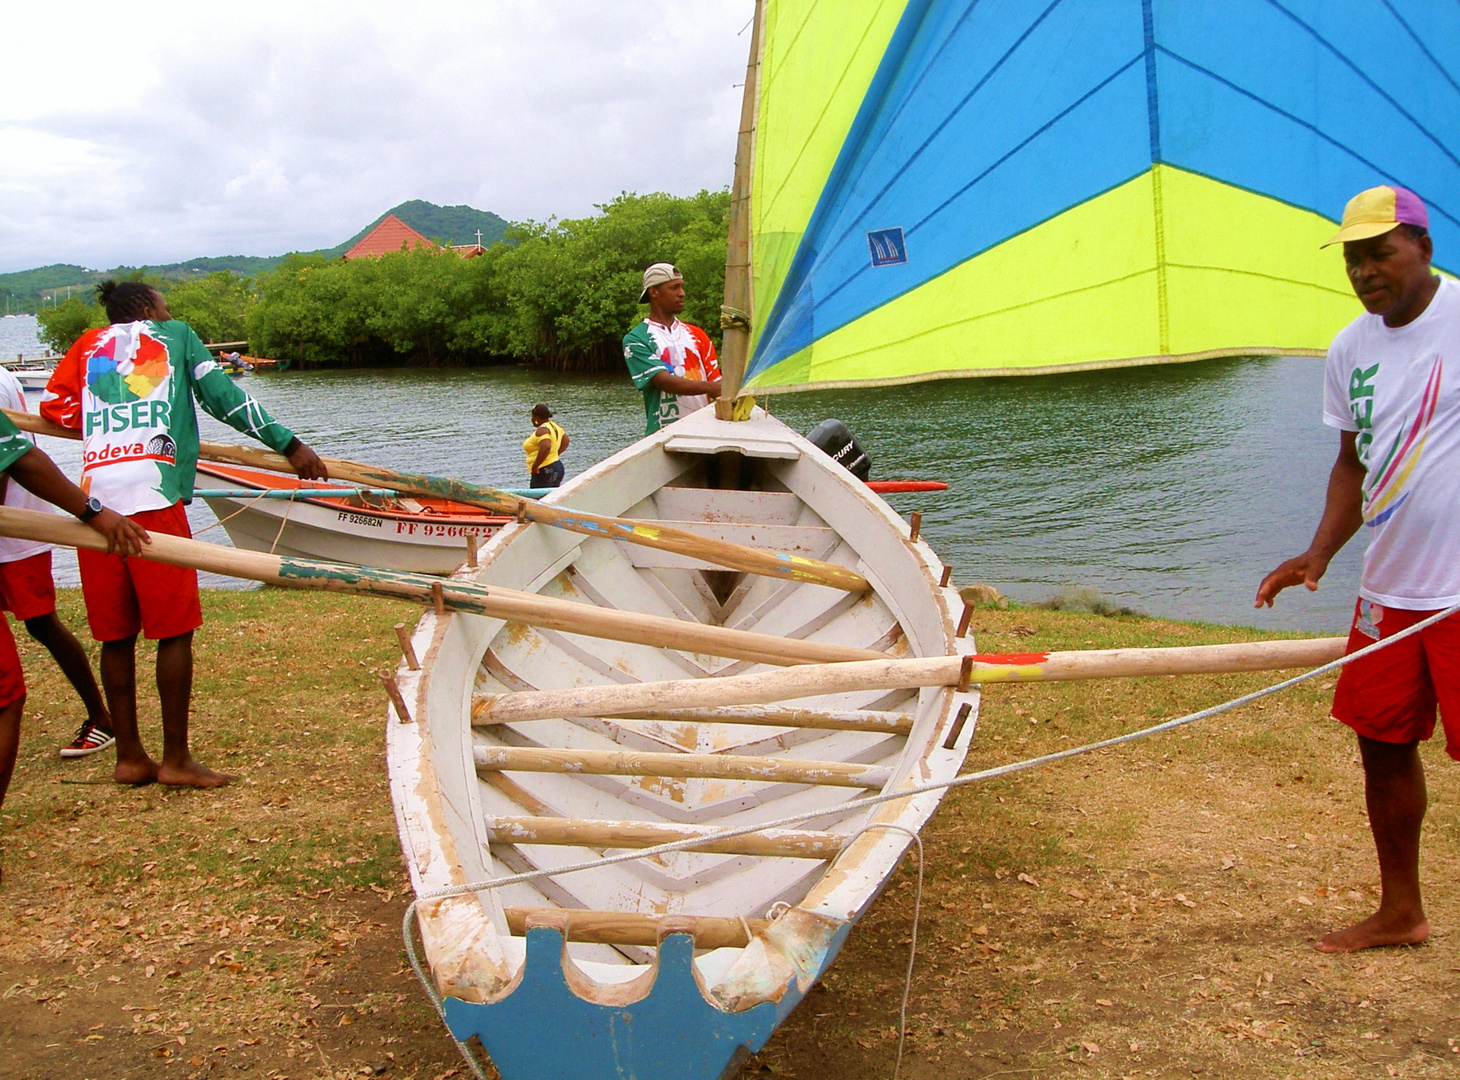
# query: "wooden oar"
495,602
876,720
816,680
645,533
684,766
580,832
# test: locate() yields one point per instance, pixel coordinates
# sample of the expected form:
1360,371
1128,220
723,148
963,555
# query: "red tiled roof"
389,236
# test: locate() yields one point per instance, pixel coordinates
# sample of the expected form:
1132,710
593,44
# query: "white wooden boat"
33,379
421,534
630,995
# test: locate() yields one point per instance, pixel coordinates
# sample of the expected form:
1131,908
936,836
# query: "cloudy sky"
157,133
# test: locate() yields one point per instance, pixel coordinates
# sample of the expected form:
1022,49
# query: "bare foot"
1377,930
191,774
136,773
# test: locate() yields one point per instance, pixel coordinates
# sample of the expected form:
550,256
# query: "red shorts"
12,679
1391,696
127,596
27,589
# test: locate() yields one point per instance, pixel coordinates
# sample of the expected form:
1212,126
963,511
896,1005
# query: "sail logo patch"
888,246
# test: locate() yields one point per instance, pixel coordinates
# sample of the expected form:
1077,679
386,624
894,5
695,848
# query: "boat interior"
546,793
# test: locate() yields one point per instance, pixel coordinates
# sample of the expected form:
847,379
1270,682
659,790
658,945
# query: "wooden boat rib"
421,534
701,952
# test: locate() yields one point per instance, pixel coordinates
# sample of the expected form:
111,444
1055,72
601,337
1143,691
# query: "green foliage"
572,288
216,306
561,293
61,325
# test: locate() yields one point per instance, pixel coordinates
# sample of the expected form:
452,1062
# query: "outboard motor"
836,439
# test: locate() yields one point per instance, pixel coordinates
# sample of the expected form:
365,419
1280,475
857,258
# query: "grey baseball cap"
658,274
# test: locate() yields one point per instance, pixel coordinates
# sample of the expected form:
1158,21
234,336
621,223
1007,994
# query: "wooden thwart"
624,928
680,766
579,832
819,679
876,720
507,604
722,553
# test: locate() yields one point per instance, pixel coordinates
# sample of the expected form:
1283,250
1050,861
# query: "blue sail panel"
999,116
1369,106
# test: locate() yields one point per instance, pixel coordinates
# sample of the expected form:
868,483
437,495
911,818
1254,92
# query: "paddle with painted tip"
818,679
643,533
509,605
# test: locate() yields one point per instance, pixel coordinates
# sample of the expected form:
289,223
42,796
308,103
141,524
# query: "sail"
945,188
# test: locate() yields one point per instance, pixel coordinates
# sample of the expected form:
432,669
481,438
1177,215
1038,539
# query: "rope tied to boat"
732,318
876,800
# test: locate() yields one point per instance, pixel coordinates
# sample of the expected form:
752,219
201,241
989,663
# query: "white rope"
288,509
912,951
230,517
877,800
427,985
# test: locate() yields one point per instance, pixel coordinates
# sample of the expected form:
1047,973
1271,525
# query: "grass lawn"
1146,911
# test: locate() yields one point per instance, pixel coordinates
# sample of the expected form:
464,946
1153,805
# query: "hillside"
448,224
24,289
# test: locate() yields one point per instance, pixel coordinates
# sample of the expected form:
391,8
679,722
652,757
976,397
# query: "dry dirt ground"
1147,911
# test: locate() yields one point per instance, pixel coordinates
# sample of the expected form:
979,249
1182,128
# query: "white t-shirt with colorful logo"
1399,388
130,389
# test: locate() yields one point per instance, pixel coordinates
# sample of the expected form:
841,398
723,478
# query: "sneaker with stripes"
90,739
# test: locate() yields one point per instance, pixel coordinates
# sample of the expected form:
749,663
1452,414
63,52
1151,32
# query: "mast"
736,313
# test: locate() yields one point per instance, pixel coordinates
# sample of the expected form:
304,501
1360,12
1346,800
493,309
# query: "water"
18,338
1169,489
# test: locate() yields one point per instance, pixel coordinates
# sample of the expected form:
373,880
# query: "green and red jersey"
13,445
129,388
680,349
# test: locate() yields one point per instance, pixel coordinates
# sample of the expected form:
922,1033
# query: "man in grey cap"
672,363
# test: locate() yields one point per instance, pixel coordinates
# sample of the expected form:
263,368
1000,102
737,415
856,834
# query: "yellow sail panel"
1239,289
1082,281
1086,289
817,60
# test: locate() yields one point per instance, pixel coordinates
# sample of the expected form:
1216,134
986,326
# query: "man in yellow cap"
1398,473
672,362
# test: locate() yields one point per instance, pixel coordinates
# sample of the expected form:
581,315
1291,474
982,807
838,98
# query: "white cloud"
260,128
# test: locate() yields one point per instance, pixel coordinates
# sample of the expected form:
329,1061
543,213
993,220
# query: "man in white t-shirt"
1392,389
28,592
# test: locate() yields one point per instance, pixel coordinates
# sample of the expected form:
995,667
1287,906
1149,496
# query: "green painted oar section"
644,533
494,602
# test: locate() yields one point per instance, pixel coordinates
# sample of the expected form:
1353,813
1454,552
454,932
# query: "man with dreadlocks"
130,389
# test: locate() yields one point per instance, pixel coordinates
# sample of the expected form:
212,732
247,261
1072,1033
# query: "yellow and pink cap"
1378,210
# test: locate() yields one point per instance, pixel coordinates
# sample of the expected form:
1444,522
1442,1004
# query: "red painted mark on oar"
1018,659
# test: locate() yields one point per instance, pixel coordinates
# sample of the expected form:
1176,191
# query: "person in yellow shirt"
543,448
